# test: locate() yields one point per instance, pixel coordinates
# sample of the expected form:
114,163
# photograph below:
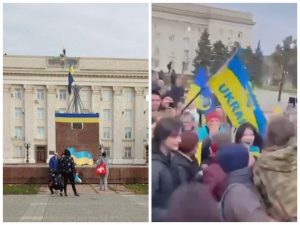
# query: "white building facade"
177,28
36,87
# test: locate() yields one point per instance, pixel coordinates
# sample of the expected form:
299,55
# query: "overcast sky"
274,22
91,30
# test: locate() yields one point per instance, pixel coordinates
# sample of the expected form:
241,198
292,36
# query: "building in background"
176,29
36,87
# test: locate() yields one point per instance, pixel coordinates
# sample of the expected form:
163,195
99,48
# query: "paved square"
92,206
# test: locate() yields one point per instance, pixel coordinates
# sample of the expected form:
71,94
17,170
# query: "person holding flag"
70,79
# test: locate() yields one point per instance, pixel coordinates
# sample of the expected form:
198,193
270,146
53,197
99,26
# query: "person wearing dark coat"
166,138
68,171
182,163
240,201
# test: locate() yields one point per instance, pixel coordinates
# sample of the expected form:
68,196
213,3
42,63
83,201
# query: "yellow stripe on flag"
233,97
199,152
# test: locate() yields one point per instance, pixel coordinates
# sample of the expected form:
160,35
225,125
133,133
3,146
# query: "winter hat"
212,115
233,157
189,141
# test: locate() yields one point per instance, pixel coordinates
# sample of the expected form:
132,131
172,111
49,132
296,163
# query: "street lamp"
285,50
100,148
146,148
27,146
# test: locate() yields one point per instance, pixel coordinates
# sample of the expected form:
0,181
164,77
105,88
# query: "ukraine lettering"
234,104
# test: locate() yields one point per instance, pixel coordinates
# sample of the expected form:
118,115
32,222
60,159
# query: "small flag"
204,101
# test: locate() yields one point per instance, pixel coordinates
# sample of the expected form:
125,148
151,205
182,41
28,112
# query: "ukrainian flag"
232,87
81,157
204,101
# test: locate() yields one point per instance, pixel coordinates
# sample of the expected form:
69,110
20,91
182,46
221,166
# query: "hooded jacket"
275,176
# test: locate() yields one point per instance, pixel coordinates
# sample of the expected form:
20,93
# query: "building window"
107,95
62,95
40,113
185,65
128,115
106,114
127,152
186,53
19,152
18,113
240,34
127,133
78,126
156,52
129,96
221,31
41,133
107,150
172,38
186,40
19,133
106,133
40,95
18,94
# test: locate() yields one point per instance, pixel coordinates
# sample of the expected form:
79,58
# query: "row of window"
40,113
19,152
40,95
106,135
107,114
19,134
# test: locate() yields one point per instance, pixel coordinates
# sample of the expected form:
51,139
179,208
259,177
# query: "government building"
177,28
36,87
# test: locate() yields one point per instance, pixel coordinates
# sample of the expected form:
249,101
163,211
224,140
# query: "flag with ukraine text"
232,87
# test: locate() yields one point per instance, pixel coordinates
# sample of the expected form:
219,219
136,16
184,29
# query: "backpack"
101,169
221,202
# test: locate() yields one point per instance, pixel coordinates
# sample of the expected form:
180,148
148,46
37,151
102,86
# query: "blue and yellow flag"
70,78
232,88
204,101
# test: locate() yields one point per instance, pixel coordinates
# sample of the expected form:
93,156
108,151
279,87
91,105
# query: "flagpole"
190,102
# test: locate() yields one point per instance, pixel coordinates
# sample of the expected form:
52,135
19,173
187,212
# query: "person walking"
103,178
68,171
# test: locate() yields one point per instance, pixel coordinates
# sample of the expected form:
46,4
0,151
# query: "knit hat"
233,157
189,141
212,115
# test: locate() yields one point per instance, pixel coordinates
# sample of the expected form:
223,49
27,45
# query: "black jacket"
184,167
67,165
162,185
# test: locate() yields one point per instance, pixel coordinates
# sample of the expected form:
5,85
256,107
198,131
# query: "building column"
29,121
95,99
117,126
96,95
139,127
7,114
51,141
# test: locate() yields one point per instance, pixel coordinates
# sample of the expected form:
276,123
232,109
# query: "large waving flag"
204,101
232,88
70,78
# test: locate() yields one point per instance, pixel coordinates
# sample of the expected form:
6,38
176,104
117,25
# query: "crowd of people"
240,175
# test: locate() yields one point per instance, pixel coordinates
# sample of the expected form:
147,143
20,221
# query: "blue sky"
274,22
93,30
